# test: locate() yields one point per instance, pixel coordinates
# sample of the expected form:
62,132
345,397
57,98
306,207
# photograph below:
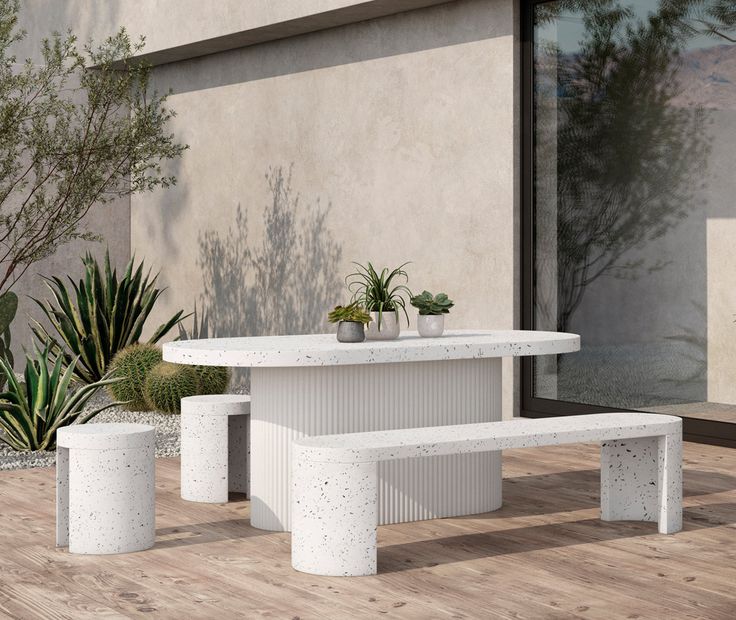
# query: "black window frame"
695,429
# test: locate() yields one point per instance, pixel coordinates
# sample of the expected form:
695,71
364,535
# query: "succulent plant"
100,315
168,383
213,379
131,367
352,312
32,410
426,303
377,292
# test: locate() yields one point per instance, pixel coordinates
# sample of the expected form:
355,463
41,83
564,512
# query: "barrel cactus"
213,379
131,366
168,383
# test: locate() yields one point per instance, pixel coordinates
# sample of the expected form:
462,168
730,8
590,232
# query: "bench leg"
641,480
334,517
238,458
62,496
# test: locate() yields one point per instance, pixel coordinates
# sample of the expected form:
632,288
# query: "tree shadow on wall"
282,285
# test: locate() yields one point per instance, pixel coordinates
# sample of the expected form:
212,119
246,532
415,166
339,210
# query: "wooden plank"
545,554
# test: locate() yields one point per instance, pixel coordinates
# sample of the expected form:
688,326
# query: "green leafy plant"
212,379
168,383
379,292
33,410
8,309
426,303
79,129
105,315
353,313
131,367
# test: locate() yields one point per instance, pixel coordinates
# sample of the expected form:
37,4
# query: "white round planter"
389,330
430,325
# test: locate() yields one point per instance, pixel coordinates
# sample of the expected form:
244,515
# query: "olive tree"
78,130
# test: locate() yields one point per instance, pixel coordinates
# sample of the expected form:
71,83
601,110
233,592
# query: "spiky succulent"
352,312
168,383
131,367
426,303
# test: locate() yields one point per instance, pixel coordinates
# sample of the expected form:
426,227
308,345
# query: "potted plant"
382,296
432,311
350,321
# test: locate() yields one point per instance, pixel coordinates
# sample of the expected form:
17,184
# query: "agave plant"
200,326
378,292
33,410
100,316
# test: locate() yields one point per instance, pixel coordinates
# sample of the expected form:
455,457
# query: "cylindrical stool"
215,449
105,488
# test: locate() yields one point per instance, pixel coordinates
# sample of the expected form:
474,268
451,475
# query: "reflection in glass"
634,200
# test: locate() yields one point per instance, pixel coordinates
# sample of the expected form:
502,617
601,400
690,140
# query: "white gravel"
167,435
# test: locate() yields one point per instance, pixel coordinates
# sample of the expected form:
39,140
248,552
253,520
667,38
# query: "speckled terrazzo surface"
463,438
325,350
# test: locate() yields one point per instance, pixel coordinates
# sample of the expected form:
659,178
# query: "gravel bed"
167,435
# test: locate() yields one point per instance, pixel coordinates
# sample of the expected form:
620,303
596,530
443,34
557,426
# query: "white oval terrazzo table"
314,385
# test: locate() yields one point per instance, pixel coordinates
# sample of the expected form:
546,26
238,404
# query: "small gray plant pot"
350,331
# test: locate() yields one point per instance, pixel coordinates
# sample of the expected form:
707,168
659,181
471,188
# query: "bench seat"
334,477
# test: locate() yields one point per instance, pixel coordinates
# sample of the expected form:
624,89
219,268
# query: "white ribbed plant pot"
389,330
430,325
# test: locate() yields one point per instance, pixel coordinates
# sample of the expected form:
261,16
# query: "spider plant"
106,315
379,292
32,410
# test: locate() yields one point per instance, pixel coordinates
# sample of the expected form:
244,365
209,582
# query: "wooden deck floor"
544,555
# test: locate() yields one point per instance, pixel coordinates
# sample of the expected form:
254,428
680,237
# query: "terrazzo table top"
325,350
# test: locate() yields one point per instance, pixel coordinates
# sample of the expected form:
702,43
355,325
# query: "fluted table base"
292,402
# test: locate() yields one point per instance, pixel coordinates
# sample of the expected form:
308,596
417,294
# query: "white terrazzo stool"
105,488
215,449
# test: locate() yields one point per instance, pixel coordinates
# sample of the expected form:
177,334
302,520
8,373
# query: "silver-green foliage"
426,303
168,383
80,128
32,410
131,367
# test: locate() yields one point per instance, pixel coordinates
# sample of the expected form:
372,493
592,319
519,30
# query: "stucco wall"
399,133
404,126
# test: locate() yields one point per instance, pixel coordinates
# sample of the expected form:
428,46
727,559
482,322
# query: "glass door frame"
695,429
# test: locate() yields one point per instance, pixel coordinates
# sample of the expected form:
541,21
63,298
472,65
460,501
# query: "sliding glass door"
630,206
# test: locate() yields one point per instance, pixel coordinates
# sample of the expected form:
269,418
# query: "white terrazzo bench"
215,447
334,477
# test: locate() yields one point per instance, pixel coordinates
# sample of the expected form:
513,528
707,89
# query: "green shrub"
33,410
168,383
213,379
100,316
131,367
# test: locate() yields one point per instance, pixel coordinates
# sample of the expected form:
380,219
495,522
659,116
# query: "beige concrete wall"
404,125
